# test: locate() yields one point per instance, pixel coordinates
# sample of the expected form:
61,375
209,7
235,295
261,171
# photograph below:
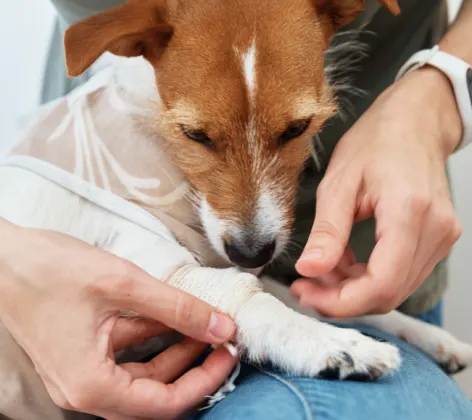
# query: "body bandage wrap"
100,143
225,289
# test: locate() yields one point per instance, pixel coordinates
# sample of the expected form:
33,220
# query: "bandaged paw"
226,289
267,330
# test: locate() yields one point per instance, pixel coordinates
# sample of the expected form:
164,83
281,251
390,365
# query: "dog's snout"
245,255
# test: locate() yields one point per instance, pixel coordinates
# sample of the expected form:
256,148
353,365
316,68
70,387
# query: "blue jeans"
419,391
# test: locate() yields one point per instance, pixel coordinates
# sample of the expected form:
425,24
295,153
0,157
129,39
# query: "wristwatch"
460,75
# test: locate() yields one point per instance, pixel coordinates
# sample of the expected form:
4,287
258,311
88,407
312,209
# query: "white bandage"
226,289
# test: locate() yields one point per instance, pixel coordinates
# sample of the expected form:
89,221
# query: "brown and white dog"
239,90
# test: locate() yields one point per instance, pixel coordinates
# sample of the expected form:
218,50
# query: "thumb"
138,292
335,210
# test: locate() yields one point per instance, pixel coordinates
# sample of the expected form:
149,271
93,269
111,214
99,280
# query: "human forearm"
434,87
457,43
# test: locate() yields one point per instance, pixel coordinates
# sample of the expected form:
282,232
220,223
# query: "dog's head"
243,91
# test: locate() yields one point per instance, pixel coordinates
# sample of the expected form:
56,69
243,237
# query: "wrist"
435,96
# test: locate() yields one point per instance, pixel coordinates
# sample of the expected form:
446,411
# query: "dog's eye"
198,136
294,130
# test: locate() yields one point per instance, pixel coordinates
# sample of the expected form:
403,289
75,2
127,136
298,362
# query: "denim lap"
418,391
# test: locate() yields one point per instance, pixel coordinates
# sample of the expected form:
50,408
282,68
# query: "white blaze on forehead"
248,65
249,69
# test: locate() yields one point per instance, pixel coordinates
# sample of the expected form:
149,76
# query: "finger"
347,260
136,291
335,210
131,331
307,290
348,266
331,279
170,364
210,376
310,291
383,284
147,398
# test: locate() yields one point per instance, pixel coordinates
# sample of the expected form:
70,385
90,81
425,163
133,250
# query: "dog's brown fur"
196,49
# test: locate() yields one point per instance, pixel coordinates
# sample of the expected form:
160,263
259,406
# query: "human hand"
390,165
61,300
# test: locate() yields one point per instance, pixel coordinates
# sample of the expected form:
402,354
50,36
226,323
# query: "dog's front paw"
350,355
301,345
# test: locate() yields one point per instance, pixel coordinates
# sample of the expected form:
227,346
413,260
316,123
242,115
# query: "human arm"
61,300
389,165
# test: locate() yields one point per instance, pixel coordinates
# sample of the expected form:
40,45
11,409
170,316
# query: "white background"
25,28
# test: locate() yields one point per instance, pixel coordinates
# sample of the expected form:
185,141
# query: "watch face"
469,82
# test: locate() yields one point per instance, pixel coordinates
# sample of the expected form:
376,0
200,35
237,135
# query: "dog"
184,156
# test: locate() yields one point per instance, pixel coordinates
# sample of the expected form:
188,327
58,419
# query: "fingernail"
312,254
221,326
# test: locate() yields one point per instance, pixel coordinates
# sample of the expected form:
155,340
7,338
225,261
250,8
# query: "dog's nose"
246,256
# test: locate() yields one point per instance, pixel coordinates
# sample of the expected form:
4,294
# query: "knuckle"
184,311
445,220
448,224
416,203
386,298
456,231
325,228
118,281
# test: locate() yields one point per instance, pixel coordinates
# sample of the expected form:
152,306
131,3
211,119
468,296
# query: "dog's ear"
138,27
334,14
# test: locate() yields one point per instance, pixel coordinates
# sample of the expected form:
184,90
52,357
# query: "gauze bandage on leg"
225,289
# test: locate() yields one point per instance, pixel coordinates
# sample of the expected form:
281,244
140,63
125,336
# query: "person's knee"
261,395
419,390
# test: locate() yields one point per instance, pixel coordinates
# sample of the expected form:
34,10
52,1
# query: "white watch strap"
460,75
